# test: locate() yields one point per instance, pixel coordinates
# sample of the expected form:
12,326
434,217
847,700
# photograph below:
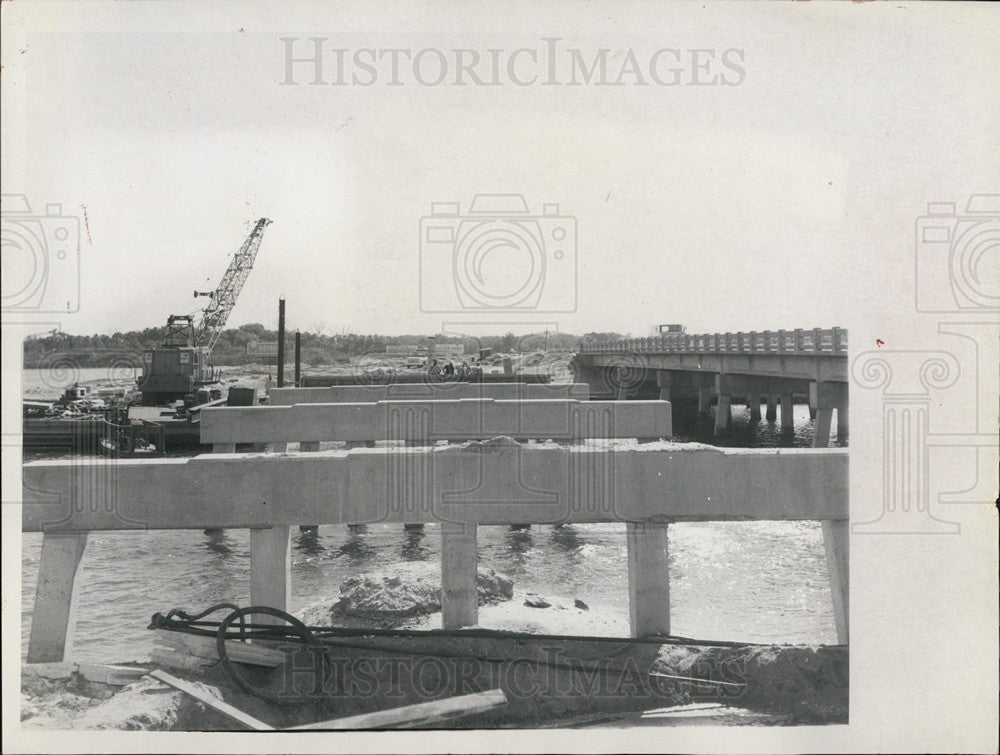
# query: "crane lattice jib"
214,316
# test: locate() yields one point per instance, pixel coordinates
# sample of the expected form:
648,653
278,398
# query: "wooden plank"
835,541
648,579
494,484
53,618
178,659
270,569
205,647
118,676
419,714
459,597
212,702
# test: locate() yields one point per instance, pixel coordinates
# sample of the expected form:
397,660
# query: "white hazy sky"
770,204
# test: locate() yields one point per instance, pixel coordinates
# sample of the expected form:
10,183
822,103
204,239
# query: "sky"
771,203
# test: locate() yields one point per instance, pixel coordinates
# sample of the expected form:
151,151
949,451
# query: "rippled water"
749,581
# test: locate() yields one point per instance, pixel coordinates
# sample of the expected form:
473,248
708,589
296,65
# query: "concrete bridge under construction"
773,367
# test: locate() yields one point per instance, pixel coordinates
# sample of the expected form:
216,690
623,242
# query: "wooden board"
420,714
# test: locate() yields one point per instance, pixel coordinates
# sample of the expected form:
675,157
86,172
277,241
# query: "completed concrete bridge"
778,365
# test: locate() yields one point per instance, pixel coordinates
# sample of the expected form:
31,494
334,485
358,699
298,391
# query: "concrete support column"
220,448
459,597
813,400
829,396
309,446
723,414
648,579
821,427
270,569
772,408
787,414
842,423
835,541
704,399
753,404
53,619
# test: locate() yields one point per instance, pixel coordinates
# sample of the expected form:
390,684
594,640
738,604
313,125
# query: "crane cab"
177,368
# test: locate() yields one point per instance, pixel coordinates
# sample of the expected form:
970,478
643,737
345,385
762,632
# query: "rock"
807,683
409,590
580,604
536,601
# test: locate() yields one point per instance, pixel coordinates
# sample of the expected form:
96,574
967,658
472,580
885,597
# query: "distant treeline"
126,348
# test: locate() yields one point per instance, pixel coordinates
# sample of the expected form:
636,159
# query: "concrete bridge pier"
787,414
459,597
753,404
704,399
829,396
812,400
648,578
723,415
772,408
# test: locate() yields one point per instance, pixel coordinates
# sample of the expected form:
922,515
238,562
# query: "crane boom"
214,316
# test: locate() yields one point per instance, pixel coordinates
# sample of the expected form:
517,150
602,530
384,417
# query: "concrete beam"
487,483
826,366
353,394
428,421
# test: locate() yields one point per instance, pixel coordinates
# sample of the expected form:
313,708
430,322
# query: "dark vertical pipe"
281,342
298,358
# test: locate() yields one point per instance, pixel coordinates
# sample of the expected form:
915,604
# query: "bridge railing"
816,341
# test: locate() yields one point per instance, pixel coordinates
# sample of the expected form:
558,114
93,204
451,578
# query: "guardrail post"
270,569
648,579
459,597
53,618
835,541
837,346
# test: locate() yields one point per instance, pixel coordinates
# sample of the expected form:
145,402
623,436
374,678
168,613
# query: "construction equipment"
174,369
